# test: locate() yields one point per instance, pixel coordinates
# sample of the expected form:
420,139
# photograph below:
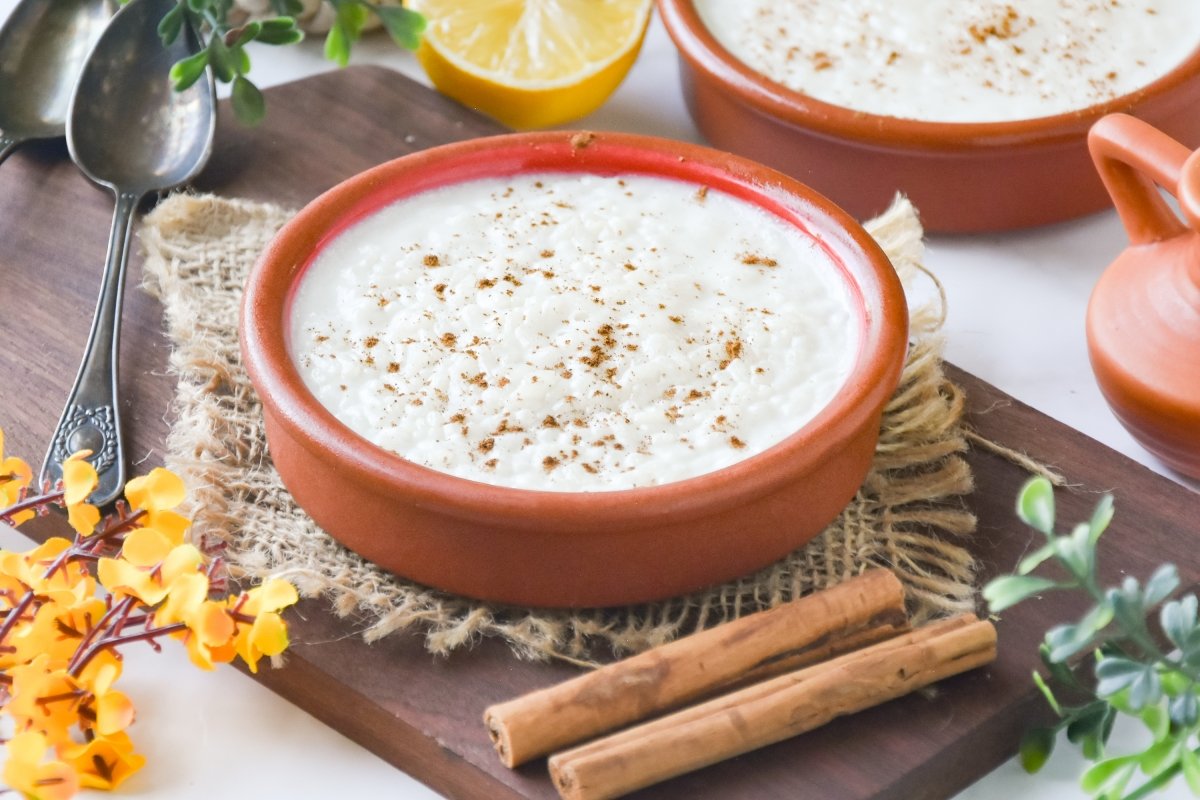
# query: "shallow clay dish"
572,548
962,176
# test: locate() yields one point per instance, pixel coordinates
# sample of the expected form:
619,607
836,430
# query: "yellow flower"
210,626
27,773
267,635
156,494
79,481
44,699
113,710
159,490
105,762
15,475
55,630
148,580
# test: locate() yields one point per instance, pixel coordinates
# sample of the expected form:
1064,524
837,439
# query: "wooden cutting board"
423,714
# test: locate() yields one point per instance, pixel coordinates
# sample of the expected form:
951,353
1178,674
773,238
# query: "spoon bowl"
43,46
127,129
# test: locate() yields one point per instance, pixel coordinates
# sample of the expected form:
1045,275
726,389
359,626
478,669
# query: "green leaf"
1101,516
223,62
239,37
1058,671
1109,776
1032,561
248,102
1164,581
171,25
1190,763
1087,723
403,25
1074,555
1184,709
187,71
1035,505
1160,757
280,31
1047,693
287,7
1157,721
337,46
1067,640
1036,746
1178,619
1114,673
1008,590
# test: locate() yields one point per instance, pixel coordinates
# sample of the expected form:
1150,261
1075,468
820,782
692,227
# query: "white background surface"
1016,311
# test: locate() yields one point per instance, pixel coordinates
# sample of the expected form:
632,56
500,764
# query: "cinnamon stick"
858,611
769,712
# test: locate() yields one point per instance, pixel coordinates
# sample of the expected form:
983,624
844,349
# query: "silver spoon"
43,44
130,131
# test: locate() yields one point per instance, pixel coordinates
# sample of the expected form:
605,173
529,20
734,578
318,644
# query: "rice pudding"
574,332
950,61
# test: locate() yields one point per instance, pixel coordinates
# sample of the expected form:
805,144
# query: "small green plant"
225,43
1133,669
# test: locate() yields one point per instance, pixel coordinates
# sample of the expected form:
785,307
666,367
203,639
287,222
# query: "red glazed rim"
709,57
869,274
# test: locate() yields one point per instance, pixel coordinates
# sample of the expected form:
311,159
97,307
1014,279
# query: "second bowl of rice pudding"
977,111
573,369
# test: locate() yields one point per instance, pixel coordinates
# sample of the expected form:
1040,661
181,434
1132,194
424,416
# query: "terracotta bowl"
571,548
962,176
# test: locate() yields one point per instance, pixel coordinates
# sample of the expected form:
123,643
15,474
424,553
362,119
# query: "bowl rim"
263,331
708,57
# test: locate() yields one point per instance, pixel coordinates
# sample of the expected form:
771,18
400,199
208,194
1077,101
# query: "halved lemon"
531,63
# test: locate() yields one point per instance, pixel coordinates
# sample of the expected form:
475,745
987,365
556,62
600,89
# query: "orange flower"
79,481
105,762
15,475
26,772
267,635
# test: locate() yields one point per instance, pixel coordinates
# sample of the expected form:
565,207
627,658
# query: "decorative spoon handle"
91,419
7,145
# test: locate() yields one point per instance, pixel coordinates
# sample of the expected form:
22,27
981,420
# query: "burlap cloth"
908,515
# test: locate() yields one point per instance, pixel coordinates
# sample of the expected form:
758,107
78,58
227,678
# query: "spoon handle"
7,145
91,419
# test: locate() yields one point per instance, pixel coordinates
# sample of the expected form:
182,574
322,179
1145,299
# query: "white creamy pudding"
572,332
954,61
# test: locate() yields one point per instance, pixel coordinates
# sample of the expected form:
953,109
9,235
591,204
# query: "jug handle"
1131,157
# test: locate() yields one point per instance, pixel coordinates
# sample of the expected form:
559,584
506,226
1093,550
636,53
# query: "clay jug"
1143,320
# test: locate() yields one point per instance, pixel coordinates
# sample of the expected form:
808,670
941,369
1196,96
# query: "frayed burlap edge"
908,515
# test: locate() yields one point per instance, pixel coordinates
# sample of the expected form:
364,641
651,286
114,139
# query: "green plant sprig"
1131,672
225,44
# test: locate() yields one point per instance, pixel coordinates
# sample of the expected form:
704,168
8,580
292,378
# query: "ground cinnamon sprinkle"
527,392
